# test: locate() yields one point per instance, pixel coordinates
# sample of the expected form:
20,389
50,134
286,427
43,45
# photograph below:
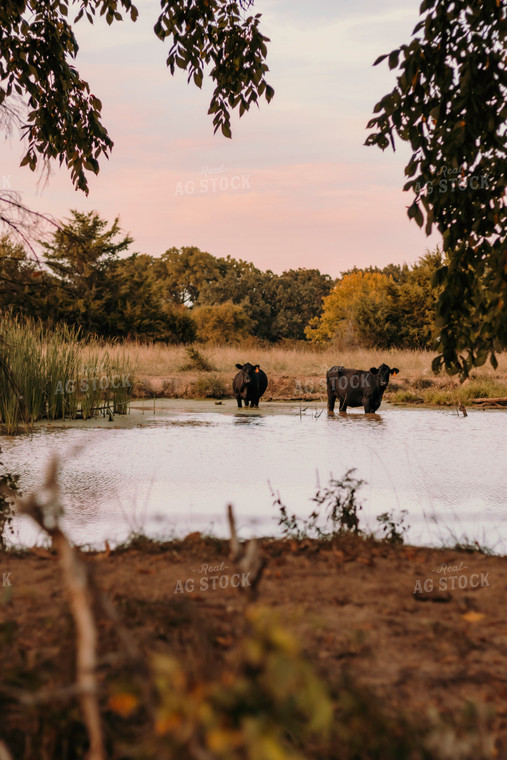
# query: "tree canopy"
450,105
90,280
393,307
64,118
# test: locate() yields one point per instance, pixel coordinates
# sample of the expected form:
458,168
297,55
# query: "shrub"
405,397
336,511
209,386
393,528
196,360
221,323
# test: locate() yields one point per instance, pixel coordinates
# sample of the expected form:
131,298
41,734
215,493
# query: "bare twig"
462,409
235,547
42,696
4,752
249,560
45,508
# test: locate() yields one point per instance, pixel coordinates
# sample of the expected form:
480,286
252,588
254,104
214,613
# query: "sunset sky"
295,187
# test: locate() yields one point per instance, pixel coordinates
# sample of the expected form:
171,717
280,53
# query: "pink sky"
295,187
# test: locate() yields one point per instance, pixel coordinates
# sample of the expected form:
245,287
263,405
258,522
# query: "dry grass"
303,362
160,360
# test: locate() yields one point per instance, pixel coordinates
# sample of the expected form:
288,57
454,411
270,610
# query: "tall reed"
55,374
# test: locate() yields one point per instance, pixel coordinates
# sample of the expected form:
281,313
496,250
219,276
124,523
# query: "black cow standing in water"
249,384
356,387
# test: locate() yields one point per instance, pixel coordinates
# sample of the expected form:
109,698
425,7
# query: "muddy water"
174,471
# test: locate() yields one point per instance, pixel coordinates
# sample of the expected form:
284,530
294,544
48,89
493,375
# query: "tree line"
88,279
448,103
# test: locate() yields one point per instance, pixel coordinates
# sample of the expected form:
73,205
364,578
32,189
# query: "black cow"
356,387
249,384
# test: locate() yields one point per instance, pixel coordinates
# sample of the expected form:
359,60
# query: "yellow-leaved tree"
342,306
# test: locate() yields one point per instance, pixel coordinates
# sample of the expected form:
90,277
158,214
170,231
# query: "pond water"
177,470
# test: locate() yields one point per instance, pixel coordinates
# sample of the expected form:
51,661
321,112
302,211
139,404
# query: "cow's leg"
331,400
238,399
370,406
255,403
343,405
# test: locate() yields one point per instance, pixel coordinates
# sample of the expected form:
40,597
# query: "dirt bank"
412,390
350,602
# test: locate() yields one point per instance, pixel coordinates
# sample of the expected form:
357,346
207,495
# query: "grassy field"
299,372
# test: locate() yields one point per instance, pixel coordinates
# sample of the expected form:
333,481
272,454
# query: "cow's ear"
373,370
239,366
395,371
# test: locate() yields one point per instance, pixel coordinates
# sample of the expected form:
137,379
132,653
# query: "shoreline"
419,392
150,411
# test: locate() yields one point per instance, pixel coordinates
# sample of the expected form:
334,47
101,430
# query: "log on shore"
499,400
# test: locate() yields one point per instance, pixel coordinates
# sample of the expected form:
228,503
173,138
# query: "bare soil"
351,603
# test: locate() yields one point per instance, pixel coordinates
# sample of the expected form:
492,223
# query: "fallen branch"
497,401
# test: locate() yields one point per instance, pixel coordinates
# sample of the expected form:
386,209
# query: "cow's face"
382,374
249,372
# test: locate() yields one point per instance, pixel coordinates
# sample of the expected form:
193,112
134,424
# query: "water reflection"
177,473
245,418
355,417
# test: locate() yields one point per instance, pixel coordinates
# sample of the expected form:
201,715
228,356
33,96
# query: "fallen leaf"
473,617
123,704
225,641
166,724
